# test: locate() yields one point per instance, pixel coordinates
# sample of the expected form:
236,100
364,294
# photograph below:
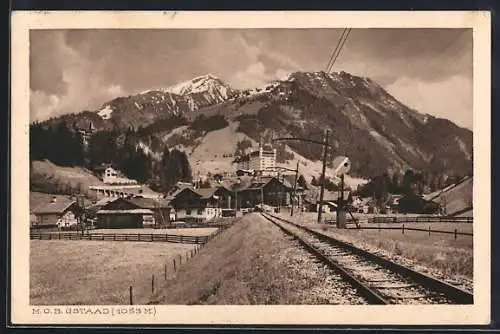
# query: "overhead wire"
340,49
328,65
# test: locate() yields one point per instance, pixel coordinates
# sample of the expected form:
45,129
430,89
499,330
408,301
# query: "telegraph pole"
341,219
325,145
295,188
322,189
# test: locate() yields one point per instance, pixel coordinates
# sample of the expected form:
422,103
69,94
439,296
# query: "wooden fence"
403,229
419,219
185,239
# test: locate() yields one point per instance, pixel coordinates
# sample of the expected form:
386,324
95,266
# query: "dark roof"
58,207
147,203
206,192
177,192
133,211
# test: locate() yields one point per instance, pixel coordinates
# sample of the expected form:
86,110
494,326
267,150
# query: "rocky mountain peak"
208,84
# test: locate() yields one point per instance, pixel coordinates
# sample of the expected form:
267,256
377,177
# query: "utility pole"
325,145
261,192
322,189
295,188
341,219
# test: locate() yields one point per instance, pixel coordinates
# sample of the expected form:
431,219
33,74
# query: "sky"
429,70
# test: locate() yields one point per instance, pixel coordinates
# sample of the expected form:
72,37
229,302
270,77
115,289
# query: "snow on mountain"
202,90
105,112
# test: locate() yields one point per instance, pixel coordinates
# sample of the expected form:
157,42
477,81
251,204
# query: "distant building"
113,176
262,160
261,190
331,200
86,133
123,190
57,213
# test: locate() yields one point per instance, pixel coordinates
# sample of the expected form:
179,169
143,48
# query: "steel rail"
366,292
453,293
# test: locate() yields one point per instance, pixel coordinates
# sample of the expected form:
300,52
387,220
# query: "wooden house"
197,205
59,212
263,190
134,212
331,200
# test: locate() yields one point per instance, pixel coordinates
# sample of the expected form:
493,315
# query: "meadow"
253,263
98,272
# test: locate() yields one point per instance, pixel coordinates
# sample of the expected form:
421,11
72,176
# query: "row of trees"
58,144
64,146
410,183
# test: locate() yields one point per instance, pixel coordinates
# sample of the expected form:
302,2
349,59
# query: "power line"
340,48
327,69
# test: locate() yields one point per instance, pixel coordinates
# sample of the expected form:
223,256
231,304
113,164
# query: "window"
200,211
188,211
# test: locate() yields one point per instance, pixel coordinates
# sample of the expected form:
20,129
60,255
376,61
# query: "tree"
380,188
395,186
301,182
314,182
408,180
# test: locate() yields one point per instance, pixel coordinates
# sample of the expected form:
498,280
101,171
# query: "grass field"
97,272
50,178
252,263
438,251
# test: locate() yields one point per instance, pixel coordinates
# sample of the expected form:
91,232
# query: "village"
257,183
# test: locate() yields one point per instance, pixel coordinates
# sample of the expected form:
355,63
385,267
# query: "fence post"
165,271
114,237
131,296
153,283
429,230
455,233
174,264
379,227
138,237
403,230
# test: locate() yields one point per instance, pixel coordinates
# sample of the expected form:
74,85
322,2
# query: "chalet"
59,212
134,212
262,190
331,200
196,205
179,186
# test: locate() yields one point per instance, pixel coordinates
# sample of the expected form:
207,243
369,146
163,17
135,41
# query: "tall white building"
263,161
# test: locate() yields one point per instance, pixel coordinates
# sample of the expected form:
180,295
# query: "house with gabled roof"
134,212
59,212
197,205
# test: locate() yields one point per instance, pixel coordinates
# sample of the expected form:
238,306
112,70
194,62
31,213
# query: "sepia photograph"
179,165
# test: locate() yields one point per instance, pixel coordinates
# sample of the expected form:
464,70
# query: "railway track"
377,279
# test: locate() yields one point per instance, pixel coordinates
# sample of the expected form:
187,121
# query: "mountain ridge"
367,123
